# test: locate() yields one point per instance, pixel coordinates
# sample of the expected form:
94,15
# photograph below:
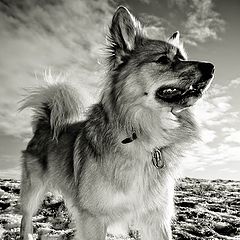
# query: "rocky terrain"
205,210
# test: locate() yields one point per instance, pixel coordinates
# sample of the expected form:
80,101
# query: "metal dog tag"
157,158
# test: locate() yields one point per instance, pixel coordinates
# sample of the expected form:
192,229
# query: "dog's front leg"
154,226
89,227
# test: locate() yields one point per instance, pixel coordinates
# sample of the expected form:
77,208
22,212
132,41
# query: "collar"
130,139
157,158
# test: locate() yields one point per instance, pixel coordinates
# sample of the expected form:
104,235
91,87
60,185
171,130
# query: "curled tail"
56,103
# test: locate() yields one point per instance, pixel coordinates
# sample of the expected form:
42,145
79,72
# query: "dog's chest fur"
141,179
123,179
133,185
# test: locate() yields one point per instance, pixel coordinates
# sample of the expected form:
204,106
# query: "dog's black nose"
207,69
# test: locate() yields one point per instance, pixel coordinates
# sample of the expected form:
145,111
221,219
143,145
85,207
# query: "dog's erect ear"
125,32
125,29
175,39
177,42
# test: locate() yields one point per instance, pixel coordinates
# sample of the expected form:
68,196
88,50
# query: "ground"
204,210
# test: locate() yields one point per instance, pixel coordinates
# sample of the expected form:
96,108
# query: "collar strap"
130,139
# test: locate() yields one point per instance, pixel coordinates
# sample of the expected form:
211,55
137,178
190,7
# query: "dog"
123,159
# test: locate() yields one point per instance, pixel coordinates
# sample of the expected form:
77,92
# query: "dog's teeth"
169,90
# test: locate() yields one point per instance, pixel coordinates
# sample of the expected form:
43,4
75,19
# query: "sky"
68,37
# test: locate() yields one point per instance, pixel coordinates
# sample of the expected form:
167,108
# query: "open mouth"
178,95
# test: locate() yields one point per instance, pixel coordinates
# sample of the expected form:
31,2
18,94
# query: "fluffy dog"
123,159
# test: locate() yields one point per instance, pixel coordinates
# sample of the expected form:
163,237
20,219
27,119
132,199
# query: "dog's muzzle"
171,94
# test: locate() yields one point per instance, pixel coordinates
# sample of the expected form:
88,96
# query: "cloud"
235,82
228,129
210,159
207,135
217,107
228,170
233,136
200,169
211,111
217,154
180,3
68,36
153,25
198,21
202,22
145,1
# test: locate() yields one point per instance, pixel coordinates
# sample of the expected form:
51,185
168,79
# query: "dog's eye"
163,60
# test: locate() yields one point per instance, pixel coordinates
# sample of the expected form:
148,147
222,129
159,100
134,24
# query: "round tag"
157,158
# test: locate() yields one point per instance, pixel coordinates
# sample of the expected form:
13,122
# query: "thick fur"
102,179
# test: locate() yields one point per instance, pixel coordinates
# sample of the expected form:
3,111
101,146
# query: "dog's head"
152,73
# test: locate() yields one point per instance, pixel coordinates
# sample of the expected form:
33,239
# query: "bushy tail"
56,103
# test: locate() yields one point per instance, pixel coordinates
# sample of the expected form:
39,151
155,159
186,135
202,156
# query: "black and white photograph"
119,120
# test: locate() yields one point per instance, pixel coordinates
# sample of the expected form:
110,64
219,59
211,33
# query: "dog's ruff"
122,161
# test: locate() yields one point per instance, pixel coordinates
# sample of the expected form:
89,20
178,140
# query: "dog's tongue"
177,109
